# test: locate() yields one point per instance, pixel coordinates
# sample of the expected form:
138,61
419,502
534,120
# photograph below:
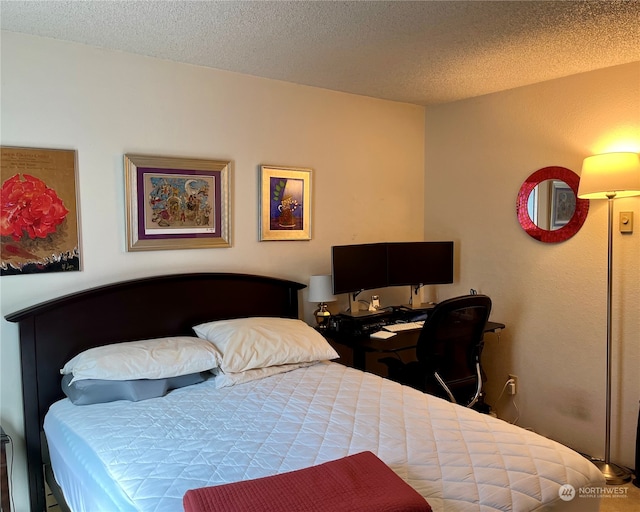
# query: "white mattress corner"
456,458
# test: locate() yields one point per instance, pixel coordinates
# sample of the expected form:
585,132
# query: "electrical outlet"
513,389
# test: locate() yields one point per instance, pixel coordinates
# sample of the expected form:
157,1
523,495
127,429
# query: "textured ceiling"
424,52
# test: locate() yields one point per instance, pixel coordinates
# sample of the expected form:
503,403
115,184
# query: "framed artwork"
176,203
285,203
563,204
39,216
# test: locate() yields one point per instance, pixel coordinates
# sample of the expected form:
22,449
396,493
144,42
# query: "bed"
145,455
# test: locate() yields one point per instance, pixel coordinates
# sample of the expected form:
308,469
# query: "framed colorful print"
176,203
285,203
39,216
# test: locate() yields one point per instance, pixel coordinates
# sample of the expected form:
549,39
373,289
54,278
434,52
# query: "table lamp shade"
610,175
321,289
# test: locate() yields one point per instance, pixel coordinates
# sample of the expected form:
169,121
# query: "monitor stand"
413,303
365,313
356,312
415,300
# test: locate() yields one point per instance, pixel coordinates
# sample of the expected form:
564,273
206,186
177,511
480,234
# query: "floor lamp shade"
609,176
610,173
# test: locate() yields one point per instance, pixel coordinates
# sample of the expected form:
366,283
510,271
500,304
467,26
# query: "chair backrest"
451,337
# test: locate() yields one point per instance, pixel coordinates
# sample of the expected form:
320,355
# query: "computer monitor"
358,267
419,263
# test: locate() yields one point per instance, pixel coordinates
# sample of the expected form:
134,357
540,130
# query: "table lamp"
321,291
608,176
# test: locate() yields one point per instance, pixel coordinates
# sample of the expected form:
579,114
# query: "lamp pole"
614,474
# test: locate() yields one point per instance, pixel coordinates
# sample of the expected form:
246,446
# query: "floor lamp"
609,176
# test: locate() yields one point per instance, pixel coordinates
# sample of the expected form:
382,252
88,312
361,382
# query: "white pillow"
146,359
248,343
224,380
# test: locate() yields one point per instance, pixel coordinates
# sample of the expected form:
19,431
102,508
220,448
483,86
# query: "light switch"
626,222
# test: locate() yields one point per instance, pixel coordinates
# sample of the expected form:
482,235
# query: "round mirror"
548,207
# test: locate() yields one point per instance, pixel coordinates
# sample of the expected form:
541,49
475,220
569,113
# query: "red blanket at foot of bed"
360,482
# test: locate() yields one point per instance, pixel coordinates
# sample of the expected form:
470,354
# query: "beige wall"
367,158
551,296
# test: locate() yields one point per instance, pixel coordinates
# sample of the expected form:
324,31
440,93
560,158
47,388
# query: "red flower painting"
29,207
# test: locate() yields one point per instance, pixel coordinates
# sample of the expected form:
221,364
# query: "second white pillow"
259,342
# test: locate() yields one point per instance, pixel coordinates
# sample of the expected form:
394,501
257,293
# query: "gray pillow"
95,391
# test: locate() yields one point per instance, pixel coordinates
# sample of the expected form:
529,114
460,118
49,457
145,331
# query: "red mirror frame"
576,221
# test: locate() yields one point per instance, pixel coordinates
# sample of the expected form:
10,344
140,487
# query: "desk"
403,340
4,479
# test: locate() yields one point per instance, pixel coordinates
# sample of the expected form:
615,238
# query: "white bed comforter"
198,436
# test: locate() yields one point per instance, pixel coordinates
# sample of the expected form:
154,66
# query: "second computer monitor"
416,263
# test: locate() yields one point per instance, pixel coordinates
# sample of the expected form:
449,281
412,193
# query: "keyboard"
406,326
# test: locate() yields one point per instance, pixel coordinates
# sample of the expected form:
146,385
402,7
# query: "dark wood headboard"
54,331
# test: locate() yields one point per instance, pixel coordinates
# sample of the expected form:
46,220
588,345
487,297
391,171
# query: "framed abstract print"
39,215
176,203
285,203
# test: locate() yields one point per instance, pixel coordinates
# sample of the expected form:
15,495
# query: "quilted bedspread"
199,436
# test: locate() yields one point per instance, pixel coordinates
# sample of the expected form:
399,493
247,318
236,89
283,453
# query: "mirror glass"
551,204
548,207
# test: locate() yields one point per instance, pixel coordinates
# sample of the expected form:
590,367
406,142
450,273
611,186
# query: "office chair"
448,351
